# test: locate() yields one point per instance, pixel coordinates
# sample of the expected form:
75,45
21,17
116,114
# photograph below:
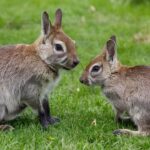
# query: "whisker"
64,60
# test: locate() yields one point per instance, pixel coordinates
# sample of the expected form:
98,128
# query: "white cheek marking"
62,44
90,81
63,60
45,50
74,41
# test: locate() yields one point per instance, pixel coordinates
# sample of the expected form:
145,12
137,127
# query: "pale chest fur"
48,86
114,91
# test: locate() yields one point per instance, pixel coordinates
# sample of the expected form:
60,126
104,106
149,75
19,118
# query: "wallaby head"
100,68
54,47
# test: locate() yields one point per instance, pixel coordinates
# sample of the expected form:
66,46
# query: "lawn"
90,23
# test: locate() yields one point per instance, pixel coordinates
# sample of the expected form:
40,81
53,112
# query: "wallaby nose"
75,62
81,80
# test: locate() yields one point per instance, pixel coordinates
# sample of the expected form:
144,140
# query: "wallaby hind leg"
131,132
143,130
14,114
6,127
3,113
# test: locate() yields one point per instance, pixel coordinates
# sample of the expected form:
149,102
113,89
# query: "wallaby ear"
111,49
46,25
113,37
58,18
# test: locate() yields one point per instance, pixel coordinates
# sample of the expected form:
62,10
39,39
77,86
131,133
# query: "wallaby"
127,88
29,72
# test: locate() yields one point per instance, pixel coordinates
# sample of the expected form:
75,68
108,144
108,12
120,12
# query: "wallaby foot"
6,127
53,120
130,132
45,121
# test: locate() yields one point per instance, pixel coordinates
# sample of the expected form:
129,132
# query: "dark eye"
96,68
58,47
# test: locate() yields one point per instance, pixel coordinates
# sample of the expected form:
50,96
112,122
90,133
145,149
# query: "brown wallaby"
127,88
29,72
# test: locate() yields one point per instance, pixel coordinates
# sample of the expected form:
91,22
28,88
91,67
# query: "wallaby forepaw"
117,132
123,131
6,128
50,120
53,120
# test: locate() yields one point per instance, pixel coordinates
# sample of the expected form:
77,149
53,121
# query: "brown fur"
29,72
127,88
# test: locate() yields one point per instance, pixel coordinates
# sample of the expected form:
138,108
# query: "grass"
90,23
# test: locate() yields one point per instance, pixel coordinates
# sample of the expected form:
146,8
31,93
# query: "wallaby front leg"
46,107
43,118
3,114
121,118
118,115
45,115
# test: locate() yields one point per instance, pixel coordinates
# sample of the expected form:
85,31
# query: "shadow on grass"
24,121
76,125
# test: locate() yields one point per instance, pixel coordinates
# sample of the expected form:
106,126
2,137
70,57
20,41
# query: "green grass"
76,104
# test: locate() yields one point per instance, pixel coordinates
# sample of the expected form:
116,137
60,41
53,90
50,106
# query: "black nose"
84,81
81,80
75,62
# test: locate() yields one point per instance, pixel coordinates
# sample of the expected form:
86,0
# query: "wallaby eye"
95,68
58,47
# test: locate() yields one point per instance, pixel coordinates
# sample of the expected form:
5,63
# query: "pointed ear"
111,53
46,25
58,18
113,37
